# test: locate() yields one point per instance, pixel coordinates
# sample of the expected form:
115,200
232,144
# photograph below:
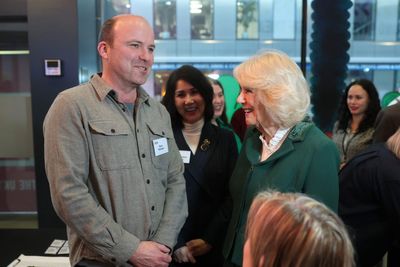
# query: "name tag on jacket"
185,154
160,146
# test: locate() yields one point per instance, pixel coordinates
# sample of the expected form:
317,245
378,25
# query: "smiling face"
189,102
247,98
127,60
218,101
357,100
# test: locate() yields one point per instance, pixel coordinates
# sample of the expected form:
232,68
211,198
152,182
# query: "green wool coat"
306,162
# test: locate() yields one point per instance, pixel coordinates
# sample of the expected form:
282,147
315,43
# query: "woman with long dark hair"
354,128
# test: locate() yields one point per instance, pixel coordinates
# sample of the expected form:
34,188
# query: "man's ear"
102,48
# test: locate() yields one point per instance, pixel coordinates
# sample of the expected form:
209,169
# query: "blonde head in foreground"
293,230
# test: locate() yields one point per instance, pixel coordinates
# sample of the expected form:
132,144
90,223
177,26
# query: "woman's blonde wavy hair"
279,85
294,230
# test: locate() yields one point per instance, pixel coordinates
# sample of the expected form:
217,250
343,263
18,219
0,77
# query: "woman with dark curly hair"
209,153
354,128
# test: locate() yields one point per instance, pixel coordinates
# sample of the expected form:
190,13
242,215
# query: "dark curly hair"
344,115
197,79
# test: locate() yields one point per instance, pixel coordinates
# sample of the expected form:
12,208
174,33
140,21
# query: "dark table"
30,242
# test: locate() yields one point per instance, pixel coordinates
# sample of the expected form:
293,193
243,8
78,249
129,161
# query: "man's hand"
151,254
198,247
182,254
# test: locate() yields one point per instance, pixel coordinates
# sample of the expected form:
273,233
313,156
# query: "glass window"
17,172
364,20
165,19
115,7
160,81
398,22
359,74
202,19
284,25
247,19
396,81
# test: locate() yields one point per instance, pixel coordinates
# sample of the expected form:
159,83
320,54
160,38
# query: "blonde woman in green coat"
282,150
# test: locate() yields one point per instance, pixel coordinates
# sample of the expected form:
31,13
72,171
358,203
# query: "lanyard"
346,148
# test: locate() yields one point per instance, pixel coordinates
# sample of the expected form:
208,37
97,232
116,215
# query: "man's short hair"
106,32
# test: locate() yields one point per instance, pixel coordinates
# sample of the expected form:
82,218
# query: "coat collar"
296,134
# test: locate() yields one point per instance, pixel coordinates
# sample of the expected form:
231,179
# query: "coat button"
147,181
153,208
143,155
113,130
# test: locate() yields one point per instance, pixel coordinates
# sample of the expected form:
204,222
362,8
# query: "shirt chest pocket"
113,144
163,137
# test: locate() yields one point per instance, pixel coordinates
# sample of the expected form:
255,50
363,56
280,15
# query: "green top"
228,127
307,162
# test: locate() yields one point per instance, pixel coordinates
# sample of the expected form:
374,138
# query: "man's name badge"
185,154
160,146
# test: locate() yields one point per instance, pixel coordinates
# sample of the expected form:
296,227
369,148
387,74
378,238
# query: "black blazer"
369,202
207,179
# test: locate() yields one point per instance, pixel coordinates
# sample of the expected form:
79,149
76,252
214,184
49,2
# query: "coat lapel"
197,165
253,149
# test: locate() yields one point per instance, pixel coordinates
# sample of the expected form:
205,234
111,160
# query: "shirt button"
147,181
152,208
143,155
113,130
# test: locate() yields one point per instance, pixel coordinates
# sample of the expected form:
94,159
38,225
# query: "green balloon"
389,97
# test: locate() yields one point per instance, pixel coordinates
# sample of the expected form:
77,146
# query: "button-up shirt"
116,177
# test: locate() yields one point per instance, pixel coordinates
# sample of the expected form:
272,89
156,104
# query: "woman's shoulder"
365,136
309,134
335,126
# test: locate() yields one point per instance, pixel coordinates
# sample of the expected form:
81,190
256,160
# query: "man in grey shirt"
114,170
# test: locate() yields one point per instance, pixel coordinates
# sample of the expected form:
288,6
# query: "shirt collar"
102,89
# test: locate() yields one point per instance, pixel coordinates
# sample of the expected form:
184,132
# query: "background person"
386,123
114,169
354,128
219,117
209,153
282,150
292,229
370,199
238,122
